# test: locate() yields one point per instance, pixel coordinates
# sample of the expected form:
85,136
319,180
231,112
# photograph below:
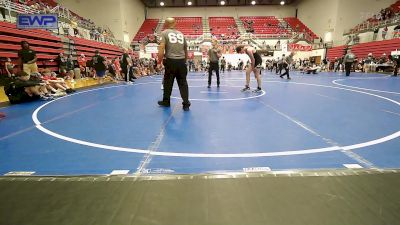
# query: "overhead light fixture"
253,2
189,3
282,2
162,3
222,2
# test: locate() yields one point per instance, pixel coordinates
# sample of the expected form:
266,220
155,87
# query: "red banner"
298,47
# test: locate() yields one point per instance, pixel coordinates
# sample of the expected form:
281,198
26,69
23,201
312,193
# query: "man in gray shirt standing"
213,56
348,61
173,46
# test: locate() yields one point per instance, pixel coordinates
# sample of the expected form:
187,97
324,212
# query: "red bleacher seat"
295,22
148,27
223,26
189,25
335,52
377,48
43,42
88,47
264,24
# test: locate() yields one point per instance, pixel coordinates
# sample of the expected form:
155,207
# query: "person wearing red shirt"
118,69
82,64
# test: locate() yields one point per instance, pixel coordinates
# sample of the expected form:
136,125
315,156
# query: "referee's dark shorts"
176,68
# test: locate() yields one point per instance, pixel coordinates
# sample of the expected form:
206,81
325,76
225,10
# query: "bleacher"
264,24
295,23
395,7
336,52
47,46
373,21
377,48
43,42
88,47
148,27
188,25
222,26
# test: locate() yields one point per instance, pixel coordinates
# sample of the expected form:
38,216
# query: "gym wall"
336,16
121,16
278,11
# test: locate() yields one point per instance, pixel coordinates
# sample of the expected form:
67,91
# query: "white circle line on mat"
364,89
222,155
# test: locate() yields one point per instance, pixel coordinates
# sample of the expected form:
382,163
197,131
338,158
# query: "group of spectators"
71,24
24,83
348,63
381,19
368,64
124,68
231,32
384,14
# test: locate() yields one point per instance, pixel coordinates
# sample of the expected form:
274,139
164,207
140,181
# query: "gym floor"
317,149
324,121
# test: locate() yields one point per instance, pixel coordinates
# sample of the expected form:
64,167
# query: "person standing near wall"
376,31
348,61
384,32
28,58
99,64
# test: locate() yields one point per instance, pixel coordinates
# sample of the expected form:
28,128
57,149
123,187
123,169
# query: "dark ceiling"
182,3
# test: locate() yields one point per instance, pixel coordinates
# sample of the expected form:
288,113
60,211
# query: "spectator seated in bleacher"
114,69
3,12
56,83
22,89
70,67
82,65
384,64
9,68
396,31
62,64
369,63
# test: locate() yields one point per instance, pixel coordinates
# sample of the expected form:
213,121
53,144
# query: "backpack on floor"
11,92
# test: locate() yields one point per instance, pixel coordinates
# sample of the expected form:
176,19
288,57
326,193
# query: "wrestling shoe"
164,104
246,88
258,90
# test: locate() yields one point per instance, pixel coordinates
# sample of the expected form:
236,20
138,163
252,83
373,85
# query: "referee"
173,46
213,56
348,61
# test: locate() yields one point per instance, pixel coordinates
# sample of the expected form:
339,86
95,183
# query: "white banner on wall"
152,48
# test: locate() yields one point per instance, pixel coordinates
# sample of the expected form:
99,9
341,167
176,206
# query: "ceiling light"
282,2
189,3
162,3
253,2
222,2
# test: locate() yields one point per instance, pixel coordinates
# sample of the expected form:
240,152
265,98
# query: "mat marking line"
328,141
228,155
